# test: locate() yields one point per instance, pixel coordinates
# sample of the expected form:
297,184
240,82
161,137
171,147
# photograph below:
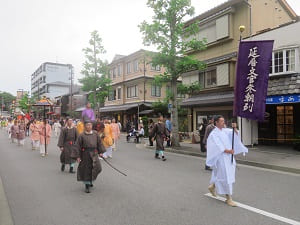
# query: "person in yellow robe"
80,127
108,139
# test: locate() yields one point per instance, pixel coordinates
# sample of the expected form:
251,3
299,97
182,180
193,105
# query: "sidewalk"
5,215
280,158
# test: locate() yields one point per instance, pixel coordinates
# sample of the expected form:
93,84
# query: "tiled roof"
282,85
209,99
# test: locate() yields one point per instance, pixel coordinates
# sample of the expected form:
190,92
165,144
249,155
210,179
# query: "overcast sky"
37,31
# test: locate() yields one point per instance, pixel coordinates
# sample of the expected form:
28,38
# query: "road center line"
259,211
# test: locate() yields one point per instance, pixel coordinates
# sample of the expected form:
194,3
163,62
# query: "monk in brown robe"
160,134
89,148
66,143
21,134
14,132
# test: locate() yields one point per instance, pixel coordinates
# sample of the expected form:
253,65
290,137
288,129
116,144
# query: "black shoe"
91,185
208,168
87,188
62,167
71,170
157,156
164,158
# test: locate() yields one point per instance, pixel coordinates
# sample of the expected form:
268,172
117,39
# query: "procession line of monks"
89,146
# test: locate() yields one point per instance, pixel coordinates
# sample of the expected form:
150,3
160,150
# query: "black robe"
89,147
159,132
67,140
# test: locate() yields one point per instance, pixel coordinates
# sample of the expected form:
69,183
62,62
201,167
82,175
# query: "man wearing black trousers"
208,129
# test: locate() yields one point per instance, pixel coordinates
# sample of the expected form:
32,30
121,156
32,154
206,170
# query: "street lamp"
242,28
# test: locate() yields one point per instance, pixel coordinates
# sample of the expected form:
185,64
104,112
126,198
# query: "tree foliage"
173,39
95,71
7,100
160,107
25,103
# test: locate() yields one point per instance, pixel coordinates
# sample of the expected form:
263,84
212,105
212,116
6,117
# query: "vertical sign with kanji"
254,60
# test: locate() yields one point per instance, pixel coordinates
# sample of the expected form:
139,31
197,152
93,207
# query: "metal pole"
1,104
71,90
144,79
241,28
232,144
45,130
138,119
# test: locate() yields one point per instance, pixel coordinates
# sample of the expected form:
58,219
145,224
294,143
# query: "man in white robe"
219,154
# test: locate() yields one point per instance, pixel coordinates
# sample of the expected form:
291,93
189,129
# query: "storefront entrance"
285,123
281,124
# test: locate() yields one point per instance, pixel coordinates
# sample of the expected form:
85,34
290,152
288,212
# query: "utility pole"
95,73
144,78
71,89
2,101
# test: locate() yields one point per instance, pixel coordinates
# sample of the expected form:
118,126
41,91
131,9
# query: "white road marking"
259,211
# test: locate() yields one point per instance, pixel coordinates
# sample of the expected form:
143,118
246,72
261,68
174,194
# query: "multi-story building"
282,118
133,90
20,94
67,104
51,80
220,27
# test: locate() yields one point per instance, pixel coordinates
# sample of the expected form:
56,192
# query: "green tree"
172,39
26,102
6,98
95,71
160,107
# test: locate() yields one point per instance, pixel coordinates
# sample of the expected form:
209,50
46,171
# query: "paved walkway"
281,158
5,214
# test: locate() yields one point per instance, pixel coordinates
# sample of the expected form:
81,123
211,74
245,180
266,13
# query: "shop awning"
80,109
118,108
283,99
146,112
225,98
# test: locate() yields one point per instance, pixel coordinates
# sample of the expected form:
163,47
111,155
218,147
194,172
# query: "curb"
5,214
243,162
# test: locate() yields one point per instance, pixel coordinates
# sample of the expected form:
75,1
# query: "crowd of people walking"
90,140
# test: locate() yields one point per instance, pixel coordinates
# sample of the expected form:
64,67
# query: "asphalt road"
153,193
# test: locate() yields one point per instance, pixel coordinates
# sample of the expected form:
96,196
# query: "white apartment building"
51,80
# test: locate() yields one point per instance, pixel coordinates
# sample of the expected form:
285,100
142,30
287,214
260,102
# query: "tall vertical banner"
252,76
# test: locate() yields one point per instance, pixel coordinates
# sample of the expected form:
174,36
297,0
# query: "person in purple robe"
88,113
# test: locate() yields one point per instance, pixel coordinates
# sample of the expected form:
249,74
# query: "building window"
119,93
114,72
156,90
136,65
128,68
119,70
132,91
290,60
208,79
112,95
283,61
278,62
155,68
211,78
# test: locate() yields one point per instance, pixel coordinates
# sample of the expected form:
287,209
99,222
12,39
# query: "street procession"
200,126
